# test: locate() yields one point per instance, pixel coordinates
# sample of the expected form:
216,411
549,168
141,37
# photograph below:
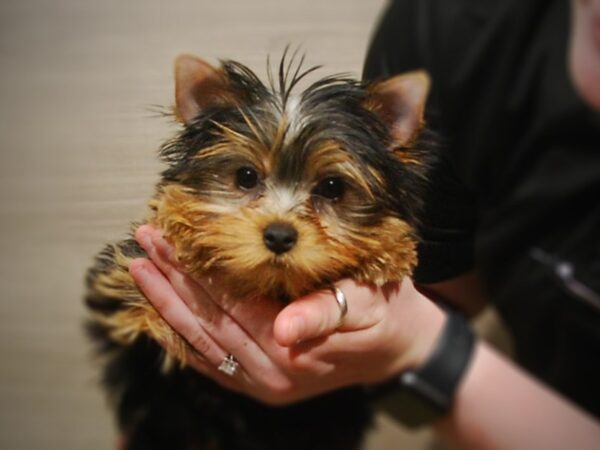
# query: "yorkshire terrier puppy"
281,193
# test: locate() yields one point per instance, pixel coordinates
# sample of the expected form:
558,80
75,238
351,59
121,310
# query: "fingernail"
137,269
296,328
146,239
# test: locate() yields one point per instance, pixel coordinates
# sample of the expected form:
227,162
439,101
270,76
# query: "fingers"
306,318
318,315
193,309
236,382
197,299
160,292
166,300
255,316
157,247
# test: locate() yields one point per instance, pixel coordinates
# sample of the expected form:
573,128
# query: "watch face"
410,405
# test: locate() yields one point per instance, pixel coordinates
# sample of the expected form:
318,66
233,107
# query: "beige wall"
78,141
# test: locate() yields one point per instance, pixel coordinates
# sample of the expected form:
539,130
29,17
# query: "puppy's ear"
198,86
400,103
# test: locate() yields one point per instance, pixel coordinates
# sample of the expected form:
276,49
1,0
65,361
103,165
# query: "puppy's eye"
331,188
246,178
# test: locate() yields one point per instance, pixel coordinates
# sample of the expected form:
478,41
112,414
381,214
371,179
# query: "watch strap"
422,395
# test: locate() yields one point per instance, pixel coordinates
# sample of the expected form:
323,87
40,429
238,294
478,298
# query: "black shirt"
517,193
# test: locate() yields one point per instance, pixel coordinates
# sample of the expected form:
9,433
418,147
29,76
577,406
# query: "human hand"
293,352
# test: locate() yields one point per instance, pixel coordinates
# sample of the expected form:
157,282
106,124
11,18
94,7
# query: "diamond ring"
229,365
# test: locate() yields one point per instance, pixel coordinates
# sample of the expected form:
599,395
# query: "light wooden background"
78,143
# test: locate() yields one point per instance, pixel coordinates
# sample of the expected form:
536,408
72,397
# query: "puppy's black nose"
280,237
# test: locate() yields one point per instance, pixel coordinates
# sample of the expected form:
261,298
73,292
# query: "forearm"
498,406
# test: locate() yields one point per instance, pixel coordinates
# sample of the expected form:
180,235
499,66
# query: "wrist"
430,329
418,333
425,393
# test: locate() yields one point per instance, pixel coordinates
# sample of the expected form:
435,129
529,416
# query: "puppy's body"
280,194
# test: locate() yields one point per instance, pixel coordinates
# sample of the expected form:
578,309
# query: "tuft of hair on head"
286,80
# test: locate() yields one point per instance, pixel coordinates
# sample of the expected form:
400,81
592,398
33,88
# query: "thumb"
313,316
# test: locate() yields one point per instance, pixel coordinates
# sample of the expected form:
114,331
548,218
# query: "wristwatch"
421,395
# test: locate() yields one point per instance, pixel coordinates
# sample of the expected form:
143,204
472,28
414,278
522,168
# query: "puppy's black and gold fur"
281,193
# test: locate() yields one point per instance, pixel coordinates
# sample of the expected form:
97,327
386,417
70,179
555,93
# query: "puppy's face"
283,193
